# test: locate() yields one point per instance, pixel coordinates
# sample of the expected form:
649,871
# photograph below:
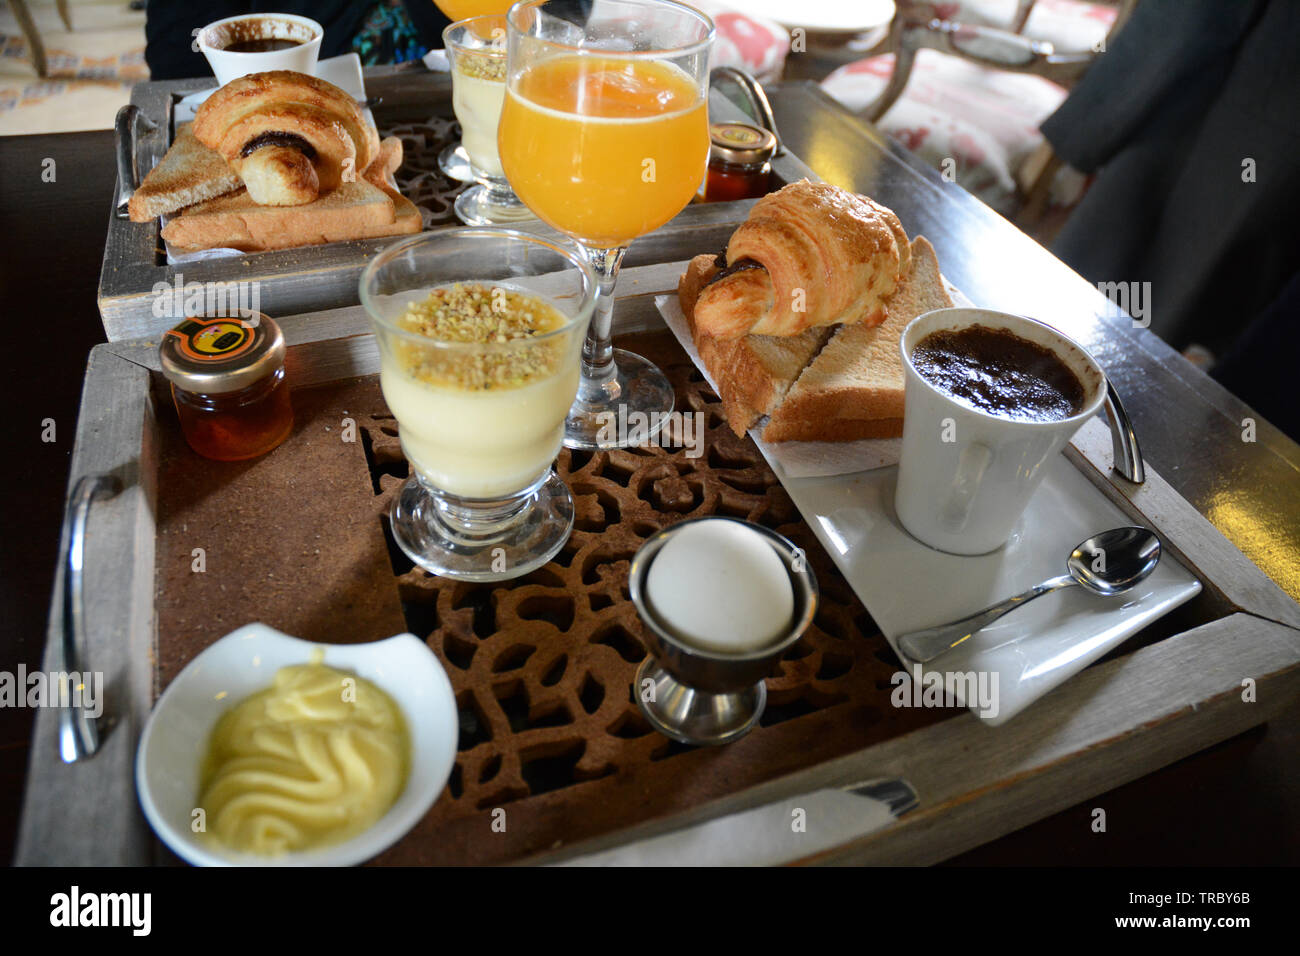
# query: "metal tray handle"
1123,439
125,127
78,733
758,100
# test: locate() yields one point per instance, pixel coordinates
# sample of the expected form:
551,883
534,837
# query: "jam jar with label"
227,378
740,162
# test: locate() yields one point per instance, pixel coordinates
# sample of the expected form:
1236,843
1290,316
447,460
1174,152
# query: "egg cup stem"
690,715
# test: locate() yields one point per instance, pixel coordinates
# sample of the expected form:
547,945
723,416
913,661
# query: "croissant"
290,137
810,254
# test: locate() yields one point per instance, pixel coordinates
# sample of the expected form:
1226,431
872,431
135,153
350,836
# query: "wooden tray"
310,278
1175,688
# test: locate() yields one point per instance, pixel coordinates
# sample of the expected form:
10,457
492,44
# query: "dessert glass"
480,420
476,51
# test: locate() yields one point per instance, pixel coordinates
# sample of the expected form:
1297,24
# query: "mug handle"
973,463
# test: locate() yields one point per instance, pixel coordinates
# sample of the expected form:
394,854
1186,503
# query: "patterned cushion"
750,43
1070,25
977,123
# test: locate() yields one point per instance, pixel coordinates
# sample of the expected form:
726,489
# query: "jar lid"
213,355
740,143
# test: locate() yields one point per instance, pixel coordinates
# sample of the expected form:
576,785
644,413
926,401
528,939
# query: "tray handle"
78,731
758,100
1123,439
125,128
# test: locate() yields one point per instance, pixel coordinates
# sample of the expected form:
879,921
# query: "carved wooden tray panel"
542,666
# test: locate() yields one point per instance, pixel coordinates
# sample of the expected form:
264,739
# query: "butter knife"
772,834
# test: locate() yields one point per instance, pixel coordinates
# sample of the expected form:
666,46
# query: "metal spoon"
1107,563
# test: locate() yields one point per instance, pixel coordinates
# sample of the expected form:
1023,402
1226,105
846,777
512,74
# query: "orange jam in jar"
227,378
740,162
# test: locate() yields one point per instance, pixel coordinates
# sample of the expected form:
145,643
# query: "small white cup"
229,65
964,475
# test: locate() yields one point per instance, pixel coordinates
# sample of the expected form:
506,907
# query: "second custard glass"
476,51
605,136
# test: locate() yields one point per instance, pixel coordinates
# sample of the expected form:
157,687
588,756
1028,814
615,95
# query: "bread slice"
358,210
854,388
188,173
752,373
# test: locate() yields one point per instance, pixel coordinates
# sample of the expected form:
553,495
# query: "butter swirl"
314,759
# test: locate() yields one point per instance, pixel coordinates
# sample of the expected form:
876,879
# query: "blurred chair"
967,93
33,37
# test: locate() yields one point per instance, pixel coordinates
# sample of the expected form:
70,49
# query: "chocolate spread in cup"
1000,373
261,45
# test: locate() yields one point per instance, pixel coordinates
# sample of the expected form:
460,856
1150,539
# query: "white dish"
176,735
828,16
907,586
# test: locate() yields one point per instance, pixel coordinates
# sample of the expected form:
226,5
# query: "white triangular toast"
188,173
854,387
356,210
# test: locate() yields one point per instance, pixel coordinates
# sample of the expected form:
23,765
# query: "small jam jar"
740,162
227,378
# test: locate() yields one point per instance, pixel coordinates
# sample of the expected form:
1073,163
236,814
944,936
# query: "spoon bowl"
1114,561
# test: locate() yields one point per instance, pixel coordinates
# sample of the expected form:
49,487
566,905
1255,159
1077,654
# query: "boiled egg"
720,586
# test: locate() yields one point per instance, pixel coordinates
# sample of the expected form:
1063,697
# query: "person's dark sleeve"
1260,368
169,42
428,20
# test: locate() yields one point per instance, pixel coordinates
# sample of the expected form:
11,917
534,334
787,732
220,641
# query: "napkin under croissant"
273,160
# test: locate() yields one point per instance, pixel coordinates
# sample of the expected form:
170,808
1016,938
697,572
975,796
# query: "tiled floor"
91,68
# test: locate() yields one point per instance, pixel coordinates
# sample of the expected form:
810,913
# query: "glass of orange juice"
464,9
604,135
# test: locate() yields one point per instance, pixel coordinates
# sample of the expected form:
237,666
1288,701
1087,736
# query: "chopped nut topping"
481,66
501,319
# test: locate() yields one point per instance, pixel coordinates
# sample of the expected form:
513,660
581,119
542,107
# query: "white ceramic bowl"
229,65
175,737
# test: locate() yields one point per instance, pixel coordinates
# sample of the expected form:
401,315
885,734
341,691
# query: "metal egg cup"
704,697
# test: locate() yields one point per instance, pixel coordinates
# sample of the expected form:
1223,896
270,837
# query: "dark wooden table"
1226,805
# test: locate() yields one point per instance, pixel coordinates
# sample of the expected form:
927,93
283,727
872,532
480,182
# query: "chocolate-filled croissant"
289,136
810,254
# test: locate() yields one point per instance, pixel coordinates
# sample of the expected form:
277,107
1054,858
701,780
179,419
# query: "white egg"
720,586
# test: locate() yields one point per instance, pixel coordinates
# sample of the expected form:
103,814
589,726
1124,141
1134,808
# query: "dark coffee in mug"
999,373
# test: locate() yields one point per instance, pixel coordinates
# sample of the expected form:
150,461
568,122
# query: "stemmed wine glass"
605,136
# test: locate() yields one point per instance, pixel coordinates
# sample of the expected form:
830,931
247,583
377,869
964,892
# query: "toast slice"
188,173
752,373
358,210
854,388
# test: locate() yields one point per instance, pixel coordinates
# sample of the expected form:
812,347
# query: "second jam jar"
227,379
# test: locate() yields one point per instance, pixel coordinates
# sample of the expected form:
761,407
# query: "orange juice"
464,9
604,149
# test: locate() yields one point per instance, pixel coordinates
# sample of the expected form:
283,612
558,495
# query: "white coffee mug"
229,65
965,475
